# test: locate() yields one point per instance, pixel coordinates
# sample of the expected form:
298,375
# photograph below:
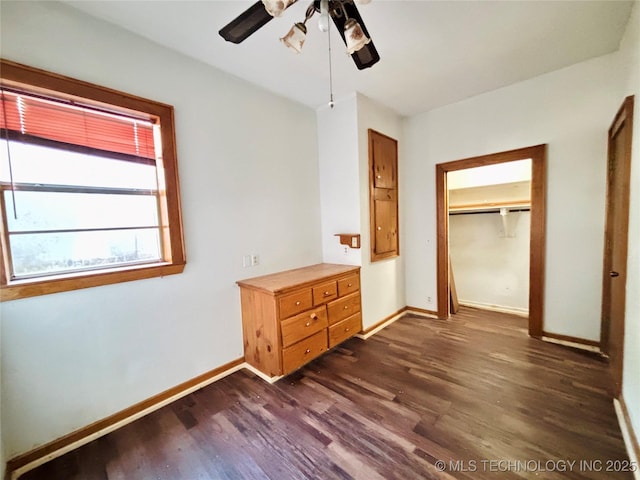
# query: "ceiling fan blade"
367,55
247,23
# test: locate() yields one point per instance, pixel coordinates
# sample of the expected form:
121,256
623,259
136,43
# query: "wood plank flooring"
473,392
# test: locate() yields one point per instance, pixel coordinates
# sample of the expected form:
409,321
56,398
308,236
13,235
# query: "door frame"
624,116
538,156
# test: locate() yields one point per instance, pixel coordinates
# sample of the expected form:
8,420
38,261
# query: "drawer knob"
350,285
308,350
313,316
307,324
347,329
298,302
326,294
379,176
379,228
346,306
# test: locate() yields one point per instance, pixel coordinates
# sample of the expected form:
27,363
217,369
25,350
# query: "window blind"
31,118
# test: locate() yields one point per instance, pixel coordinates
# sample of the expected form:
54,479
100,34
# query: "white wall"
570,110
249,178
630,59
339,179
491,267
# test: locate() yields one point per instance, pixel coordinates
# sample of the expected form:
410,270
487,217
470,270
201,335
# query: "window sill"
17,289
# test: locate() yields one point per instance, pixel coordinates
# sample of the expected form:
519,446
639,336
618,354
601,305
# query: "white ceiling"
432,52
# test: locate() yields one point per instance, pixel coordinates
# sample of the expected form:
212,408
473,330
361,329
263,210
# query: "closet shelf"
487,207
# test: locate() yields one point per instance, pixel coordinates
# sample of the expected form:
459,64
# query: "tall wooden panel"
383,204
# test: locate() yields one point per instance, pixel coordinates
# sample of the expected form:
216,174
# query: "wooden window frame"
174,258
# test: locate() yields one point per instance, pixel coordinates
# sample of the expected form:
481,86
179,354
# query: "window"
88,185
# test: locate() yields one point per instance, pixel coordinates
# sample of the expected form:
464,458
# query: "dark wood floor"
474,392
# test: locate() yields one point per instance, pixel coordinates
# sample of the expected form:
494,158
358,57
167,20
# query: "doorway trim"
538,156
623,119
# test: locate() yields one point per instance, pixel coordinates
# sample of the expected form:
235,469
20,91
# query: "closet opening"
489,226
491,212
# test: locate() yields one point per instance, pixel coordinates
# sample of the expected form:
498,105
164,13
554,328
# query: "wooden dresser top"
299,277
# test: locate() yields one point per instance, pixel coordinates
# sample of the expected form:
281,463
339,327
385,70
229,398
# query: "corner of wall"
383,282
344,191
630,60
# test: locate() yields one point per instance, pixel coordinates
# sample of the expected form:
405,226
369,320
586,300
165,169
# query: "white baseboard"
627,434
566,343
523,312
383,325
263,376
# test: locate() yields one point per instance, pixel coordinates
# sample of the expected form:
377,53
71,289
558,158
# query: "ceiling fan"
344,14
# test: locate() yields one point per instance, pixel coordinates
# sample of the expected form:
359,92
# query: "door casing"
538,156
616,241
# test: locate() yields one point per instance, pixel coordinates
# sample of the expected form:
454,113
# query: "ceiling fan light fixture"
295,38
276,7
354,36
353,33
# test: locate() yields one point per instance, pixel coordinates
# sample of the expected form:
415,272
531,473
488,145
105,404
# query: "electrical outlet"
255,259
428,299
346,250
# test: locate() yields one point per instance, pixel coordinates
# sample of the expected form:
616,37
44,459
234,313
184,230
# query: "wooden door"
386,219
614,276
384,161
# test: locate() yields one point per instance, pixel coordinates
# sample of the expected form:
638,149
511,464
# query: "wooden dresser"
289,318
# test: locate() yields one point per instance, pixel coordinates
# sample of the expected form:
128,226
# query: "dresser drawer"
302,325
345,329
348,285
304,351
295,303
343,307
325,292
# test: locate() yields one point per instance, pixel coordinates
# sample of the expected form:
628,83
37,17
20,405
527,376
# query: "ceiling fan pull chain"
330,70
